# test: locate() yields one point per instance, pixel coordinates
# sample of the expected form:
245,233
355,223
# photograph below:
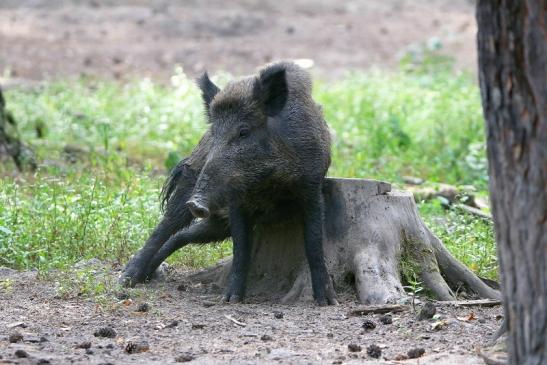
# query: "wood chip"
381,308
17,324
470,317
235,320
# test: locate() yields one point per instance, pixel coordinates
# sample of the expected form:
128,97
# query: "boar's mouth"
198,207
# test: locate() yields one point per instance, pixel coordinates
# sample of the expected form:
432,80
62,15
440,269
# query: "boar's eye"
244,132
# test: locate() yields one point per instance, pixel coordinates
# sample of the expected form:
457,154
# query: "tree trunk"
371,234
10,143
513,78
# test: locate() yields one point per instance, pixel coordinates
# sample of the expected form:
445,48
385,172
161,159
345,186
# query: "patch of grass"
390,125
471,240
120,138
53,219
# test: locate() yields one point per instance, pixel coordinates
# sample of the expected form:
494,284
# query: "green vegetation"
105,148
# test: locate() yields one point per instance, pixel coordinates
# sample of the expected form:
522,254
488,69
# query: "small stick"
474,211
235,320
381,308
471,303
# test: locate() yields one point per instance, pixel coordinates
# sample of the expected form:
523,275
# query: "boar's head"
246,148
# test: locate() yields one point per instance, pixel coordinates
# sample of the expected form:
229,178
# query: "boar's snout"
197,208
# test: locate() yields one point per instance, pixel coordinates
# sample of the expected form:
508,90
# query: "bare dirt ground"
44,39
188,323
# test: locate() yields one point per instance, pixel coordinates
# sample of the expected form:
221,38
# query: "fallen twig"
241,324
474,211
471,303
381,308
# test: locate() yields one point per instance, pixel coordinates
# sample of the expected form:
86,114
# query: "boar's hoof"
328,299
129,278
232,299
126,281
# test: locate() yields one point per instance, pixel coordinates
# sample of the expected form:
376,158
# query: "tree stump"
371,235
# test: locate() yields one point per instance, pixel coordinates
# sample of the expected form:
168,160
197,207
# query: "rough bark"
371,235
513,78
10,143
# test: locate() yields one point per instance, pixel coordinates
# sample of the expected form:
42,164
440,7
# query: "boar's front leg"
136,270
313,208
204,231
240,229
176,216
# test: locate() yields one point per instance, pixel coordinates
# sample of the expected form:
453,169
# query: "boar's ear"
208,89
271,89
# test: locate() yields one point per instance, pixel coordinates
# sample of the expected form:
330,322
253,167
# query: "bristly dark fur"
263,158
208,90
271,88
170,184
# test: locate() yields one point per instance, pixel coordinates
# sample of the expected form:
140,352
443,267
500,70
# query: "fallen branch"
378,309
241,324
471,303
474,211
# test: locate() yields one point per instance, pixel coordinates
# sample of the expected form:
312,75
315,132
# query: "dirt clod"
353,347
427,311
105,332
83,345
134,347
15,337
416,353
173,324
143,307
278,315
21,353
374,351
185,357
368,325
266,338
386,319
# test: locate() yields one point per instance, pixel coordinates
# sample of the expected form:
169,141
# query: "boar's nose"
197,209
